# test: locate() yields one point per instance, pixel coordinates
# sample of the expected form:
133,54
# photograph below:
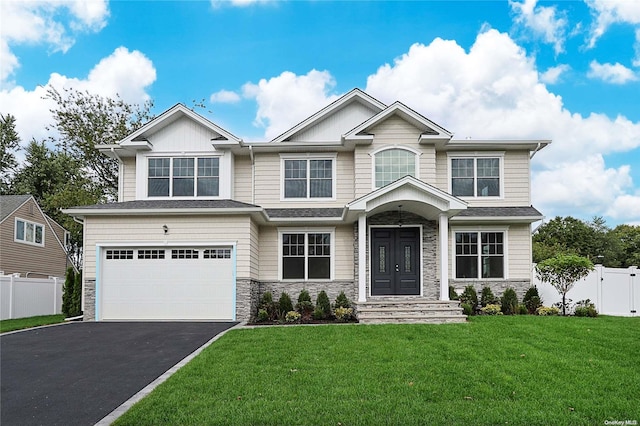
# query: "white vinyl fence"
614,291
28,297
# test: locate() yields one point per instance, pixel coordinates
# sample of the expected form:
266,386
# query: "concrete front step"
381,310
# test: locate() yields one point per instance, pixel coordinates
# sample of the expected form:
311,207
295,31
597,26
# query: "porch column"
444,256
362,257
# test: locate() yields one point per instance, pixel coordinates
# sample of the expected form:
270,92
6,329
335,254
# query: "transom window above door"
308,178
393,164
184,177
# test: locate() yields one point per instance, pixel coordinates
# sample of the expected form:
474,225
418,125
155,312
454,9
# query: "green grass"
21,323
521,370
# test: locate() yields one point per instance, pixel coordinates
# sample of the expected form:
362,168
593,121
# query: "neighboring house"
31,243
371,199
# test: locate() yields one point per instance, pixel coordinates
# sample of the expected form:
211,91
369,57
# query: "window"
150,254
479,255
29,232
308,178
179,177
217,254
119,254
475,177
306,256
184,254
393,164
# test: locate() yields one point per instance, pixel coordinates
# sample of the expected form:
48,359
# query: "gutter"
538,148
253,175
120,173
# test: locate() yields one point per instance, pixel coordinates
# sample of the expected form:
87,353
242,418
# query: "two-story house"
371,199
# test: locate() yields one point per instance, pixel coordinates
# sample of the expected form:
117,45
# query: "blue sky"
562,70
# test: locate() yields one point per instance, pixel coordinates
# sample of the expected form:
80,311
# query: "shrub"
284,304
487,297
266,304
522,310
544,311
322,303
304,305
263,315
318,314
469,297
585,308
292,316
509,302
532,300
67,293
453,295
342,301
343,314
491,309
466,309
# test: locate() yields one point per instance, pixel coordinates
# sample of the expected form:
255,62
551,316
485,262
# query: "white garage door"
177,283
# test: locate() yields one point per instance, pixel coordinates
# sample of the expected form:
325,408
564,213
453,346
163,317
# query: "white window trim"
373,154
35,224
143,175
475,156
310,156
308,230
479,229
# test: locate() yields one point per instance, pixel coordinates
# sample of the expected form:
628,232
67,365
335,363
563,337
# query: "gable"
339,122
184,134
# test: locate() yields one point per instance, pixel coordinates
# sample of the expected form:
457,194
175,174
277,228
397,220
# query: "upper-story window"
476,177
308,178
184,177
393,164
29,232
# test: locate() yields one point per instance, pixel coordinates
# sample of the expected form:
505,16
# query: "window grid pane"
320,180
393,164
19,230
479,250
295,178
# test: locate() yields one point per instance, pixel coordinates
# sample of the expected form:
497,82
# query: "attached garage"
166,283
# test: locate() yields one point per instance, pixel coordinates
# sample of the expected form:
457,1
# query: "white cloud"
611,73
627,208
123,72
552,75
225,97
609,12
543,21
287,99
39,22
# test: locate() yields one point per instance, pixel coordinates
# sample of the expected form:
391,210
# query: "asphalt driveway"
76,374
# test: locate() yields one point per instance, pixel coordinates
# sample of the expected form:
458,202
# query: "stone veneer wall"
89,313
497,287
430,281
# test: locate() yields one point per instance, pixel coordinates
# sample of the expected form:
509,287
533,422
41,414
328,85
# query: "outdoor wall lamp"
165,228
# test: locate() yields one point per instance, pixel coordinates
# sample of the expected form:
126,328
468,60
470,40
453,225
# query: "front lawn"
21,323
522,370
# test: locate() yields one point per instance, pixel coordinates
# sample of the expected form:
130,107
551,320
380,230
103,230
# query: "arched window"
393,164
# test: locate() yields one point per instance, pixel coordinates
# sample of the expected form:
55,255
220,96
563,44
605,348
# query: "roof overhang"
492,144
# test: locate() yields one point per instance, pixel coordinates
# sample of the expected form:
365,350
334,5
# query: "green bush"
469,297
77,295
532,300
292,316
343,314
267,304
544,311
284,304
342,301
487,297
585,308
304,305
318,314
522,310
509,302
466,309
452,293
491,309
323,304
67,293
263,315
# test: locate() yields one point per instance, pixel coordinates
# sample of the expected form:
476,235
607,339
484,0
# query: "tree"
9,144
629,237
85,120
562,272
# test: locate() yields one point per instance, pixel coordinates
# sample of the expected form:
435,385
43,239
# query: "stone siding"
497,287
247,296
89,312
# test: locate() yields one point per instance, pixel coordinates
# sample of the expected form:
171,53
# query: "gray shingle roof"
305,213
169,204
527,211
9,204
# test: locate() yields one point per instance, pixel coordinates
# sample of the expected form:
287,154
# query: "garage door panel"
167,284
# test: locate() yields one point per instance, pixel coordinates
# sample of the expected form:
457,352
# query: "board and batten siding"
516,183
184,134
342,250
183,230
18,257
331,128
268,182
129,179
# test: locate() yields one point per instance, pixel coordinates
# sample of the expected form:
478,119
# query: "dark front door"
395,262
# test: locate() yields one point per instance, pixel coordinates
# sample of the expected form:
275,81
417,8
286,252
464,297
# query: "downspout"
253,175
120,174
538,148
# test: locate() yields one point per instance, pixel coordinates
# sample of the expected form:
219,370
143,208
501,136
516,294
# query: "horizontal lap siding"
182,229
20,257
129,179
268,182
342,250
242,179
